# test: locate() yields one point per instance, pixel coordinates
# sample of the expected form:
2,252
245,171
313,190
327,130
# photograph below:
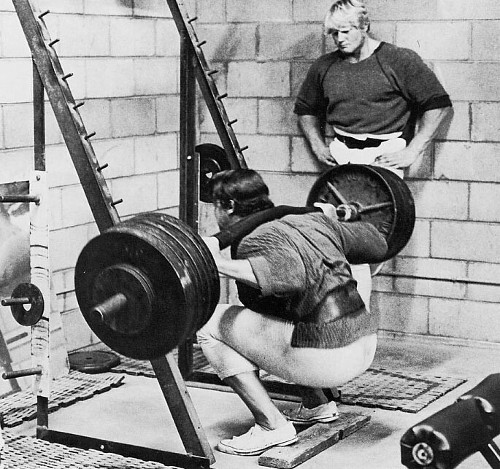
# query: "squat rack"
50,77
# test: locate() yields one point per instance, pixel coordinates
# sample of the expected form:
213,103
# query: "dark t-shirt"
304,276
376,95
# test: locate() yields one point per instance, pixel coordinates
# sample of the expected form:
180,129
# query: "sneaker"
258,439
323,413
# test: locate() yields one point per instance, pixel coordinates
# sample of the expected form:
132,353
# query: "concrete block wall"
125,60
263,50
124,57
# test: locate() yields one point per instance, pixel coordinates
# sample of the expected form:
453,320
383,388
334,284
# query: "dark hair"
245,187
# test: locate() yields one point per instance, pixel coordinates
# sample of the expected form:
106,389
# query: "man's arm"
238,269
311,127
428,127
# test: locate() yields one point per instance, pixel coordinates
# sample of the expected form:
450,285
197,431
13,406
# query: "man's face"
221,216
347,37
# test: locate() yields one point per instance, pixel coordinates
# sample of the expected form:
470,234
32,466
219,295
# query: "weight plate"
97,361
213,159
28,314
370,186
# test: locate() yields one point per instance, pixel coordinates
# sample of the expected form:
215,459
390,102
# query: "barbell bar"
146,284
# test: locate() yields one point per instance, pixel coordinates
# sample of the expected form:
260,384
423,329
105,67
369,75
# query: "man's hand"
328,209
213,245
398,159
324,156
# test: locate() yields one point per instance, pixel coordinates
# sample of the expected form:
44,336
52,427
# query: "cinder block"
139,194
431,288
267,153
484,204
467,161
60,169
464,319
77,81
486,122
118,154
110,77
383,31
466,241
440,199
16,81
132,37
167,113
168,189
243,109
133,117
2,142
156,76
288,189
466,81
6,5
258,79
457,125
488,273
453,44
462,9
18,127
153,8
401,313
156,154
64,254
422,166
298,74
290,41
62,6
16,165
167,38
55,211
75,207
258,11
110,7
14,42
394,10
307,11
96,116
211,11
276,117
303,159
486,41
228,42
83,36
76,330
430,267
419,243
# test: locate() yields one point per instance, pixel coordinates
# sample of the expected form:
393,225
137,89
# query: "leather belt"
350,142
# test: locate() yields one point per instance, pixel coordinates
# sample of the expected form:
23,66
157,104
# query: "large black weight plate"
370,185
128,245
91,362
172,284
213,159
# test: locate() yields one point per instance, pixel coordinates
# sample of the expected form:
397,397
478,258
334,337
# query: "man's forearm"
311,128
428,127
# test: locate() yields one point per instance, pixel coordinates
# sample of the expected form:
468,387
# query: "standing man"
385,107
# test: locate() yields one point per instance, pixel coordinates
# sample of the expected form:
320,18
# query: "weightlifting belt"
350,142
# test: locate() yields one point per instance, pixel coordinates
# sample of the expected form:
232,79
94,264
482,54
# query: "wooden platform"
313,440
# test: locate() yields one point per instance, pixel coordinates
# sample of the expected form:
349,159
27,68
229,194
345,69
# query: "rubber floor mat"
25,452
66,390
377,387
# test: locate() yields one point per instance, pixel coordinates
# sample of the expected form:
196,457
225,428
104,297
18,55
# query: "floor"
136,412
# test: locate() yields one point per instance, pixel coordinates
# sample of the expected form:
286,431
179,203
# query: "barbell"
148,283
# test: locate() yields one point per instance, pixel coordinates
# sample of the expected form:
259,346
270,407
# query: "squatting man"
301,308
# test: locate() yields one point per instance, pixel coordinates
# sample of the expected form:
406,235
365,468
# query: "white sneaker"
258,439
323,413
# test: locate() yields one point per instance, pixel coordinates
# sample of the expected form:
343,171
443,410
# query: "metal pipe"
105,311
19,198
438,279
24,300
20,373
